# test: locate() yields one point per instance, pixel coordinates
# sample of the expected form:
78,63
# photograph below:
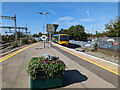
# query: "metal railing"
112,43
83,44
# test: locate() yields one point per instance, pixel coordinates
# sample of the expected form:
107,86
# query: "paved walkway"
76,76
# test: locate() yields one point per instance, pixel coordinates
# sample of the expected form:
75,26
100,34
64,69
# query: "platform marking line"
88,60
18,52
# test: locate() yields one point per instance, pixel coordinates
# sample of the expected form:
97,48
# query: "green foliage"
89,35
75,32
11,38
29,41
33,40
35,35
24,41
95,47
113,27
14,44
4,38
20,35
39,34
40,67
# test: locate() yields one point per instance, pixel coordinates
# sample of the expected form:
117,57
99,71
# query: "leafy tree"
61,31
39,34
55,33
89,36
12,38
4,38
20,35
77,32
113,27
35,35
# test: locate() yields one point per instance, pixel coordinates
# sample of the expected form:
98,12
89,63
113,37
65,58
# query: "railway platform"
80,71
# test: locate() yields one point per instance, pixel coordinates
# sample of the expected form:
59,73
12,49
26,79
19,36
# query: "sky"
65,14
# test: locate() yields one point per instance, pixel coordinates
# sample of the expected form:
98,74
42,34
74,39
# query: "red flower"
43,60
52,62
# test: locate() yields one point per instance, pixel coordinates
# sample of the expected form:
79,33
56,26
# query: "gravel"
100,55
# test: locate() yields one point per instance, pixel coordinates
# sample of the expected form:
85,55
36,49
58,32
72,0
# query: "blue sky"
88,14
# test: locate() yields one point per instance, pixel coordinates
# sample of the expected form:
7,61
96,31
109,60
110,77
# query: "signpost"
43,37
51,28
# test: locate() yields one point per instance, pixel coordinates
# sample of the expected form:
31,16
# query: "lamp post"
43,25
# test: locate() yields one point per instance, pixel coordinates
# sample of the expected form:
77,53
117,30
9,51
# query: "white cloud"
71,23
88,13
65,18
66,21
87,20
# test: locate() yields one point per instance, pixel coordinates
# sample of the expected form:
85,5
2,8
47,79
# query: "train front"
64,39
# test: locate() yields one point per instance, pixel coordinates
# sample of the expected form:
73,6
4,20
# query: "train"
61,38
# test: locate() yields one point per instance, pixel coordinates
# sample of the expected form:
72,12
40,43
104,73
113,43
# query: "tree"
35,35
77,32
63,31
39,34
113,27
55,33
12,38
19,35
89,35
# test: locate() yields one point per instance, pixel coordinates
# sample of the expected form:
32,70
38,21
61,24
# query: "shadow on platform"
73,46
73,76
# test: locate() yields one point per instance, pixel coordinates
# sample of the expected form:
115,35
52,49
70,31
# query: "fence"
83,44
111,43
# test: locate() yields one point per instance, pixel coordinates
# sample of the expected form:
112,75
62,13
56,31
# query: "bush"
30,41
34,41
96,47
41,67
24,41
14,44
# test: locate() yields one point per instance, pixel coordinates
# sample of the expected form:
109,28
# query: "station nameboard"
52,27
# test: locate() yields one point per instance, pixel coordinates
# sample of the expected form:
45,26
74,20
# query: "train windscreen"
64,38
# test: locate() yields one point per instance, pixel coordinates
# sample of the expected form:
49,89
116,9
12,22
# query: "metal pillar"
43,26
15,28
29,36
43,33
50,39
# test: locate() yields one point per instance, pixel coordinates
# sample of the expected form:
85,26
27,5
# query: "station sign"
52,27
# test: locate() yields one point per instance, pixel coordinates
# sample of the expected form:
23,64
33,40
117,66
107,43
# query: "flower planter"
44,83
45,72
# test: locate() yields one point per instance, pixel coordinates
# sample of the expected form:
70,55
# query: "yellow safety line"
18,52
88,60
